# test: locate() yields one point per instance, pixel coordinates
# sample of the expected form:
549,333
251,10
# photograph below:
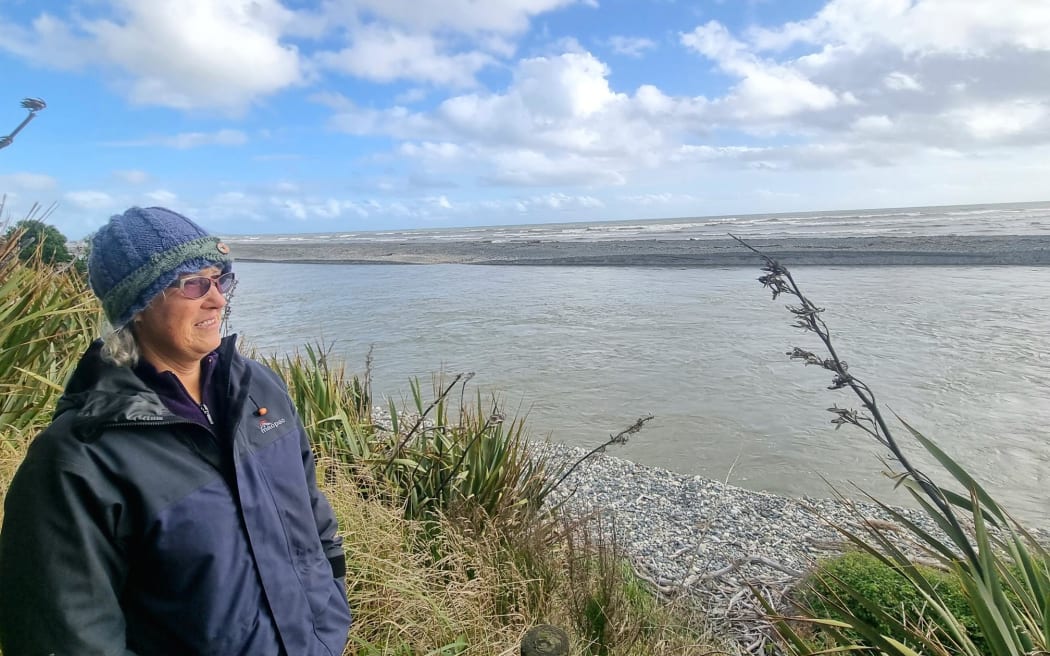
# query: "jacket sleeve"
327,525
60,566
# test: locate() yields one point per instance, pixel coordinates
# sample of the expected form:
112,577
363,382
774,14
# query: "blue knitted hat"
139,253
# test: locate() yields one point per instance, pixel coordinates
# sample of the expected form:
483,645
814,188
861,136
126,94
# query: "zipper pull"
207,414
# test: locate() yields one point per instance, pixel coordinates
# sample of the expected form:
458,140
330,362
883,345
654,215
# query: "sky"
279,116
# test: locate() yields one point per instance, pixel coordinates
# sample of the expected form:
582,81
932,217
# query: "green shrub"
835,580
39,241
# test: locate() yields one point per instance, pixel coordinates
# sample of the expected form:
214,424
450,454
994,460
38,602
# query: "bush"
39,241
836,581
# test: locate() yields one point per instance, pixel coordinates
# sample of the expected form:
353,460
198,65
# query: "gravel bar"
1030,250
686,534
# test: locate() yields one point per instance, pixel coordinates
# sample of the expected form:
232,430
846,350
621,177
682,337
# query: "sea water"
994,219
960,353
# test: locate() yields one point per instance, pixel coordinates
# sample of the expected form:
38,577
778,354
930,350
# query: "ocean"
959,352
994,219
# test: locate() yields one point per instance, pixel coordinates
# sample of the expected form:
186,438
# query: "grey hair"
119,346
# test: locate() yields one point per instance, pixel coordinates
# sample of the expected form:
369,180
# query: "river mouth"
959,352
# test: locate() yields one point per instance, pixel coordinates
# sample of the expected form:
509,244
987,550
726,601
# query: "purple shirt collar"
174,395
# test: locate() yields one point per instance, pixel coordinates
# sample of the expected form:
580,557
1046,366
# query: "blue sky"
257,116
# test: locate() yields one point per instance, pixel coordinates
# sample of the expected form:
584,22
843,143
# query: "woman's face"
175,332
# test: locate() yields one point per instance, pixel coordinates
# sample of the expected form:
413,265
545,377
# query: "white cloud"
186,140
898,81
919,27
559,201
90,199
766,90
873,123
632,46
386,54
231,56
295,208
443,151
558,123
1003,120
660,199
860,85
467,16
48,41
573,85
942,75
411,96
26,181
186,54
132,176
442,44
440,202
530,168
231,198
162,197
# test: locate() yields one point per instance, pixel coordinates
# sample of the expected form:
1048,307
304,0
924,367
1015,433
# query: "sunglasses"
197,286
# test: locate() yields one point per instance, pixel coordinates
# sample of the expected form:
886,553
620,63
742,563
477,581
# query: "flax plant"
1001,566
480,459
471,460
334,406
48,317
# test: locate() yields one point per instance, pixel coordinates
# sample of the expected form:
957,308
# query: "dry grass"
482,594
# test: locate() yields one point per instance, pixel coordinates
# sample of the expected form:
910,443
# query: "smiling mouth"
207,323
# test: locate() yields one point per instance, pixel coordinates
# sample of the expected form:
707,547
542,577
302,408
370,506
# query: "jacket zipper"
135,424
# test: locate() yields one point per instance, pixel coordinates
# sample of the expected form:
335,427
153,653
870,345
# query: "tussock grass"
483,594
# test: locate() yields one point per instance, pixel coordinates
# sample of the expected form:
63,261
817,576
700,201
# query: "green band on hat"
120,298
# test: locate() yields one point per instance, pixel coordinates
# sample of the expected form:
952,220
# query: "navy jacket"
129,530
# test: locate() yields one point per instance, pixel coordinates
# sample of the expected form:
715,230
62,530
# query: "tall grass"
48,317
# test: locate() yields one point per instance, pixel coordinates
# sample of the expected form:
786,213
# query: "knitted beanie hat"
139,253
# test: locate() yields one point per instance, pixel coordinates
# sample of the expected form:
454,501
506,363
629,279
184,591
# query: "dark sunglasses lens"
196,287
226,282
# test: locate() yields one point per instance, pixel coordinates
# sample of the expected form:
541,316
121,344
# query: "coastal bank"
1000,250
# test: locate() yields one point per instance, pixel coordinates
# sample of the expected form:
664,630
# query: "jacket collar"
102,393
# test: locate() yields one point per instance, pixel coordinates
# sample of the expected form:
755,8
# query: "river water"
961,353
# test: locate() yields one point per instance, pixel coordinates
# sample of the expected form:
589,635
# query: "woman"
171,507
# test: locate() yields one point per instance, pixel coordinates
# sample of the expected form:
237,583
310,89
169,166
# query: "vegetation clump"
883,592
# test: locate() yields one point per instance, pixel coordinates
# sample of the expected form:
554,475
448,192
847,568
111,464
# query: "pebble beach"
687,535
